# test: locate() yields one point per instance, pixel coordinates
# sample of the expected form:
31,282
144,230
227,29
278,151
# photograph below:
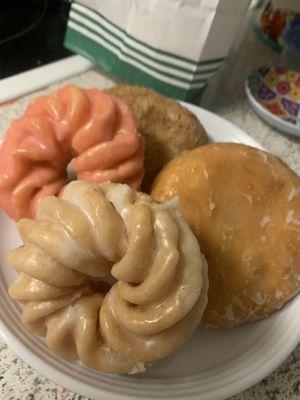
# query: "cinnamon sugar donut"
91,232
167,127
244,206
94,129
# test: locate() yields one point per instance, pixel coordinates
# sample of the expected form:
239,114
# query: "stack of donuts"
136,231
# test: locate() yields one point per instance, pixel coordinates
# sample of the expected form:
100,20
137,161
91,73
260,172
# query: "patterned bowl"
274,93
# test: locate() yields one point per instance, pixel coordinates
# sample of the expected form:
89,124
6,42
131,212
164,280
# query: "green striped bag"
172,46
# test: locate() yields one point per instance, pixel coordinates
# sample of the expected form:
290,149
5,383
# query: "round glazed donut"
93,231
94,129
244,207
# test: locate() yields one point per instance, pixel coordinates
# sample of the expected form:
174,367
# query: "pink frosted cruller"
94,130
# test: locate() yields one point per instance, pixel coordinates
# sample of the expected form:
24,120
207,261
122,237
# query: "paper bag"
172,46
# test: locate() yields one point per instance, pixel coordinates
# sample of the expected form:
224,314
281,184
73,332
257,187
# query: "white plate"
214,364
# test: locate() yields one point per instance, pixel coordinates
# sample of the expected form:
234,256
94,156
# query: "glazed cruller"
91,232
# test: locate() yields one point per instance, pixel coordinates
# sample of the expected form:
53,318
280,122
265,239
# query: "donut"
167,127
243,205
93,232
94,130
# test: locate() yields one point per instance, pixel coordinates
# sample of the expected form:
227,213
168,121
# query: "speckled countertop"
225,96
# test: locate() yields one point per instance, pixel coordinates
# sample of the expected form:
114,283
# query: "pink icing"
94,130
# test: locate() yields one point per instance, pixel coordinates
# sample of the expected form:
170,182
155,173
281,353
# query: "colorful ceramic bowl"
273,17
274,93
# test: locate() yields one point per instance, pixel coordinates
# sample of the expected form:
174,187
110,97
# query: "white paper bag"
173,46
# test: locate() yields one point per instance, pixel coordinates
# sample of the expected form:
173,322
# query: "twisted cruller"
94,129
91,232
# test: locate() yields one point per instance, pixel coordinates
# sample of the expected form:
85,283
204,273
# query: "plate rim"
241,134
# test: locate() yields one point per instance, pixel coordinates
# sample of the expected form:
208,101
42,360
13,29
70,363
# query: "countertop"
226,97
